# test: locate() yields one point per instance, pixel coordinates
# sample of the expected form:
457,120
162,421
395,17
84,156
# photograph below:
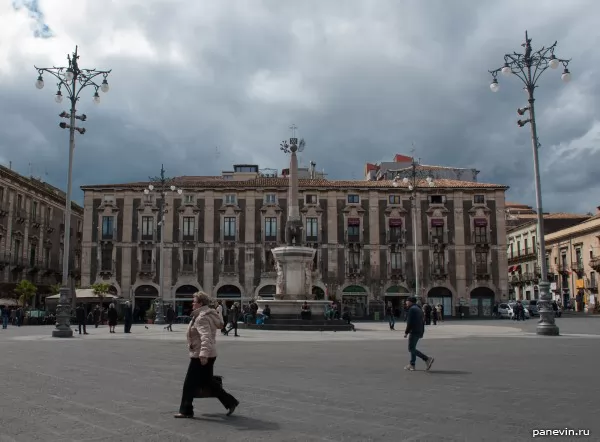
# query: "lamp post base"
546,325
63,315
158,307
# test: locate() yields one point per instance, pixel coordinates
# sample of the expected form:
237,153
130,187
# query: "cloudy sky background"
362,80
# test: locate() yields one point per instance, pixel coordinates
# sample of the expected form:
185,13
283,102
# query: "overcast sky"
362,80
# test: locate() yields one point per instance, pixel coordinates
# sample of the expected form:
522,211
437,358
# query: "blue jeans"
392,321
4,321
412,348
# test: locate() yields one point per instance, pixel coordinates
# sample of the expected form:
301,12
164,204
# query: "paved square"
303,386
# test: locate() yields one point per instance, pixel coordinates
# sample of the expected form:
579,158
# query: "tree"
54,289
100,290
25,290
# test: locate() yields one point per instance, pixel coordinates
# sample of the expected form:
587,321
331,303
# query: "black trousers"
234,327
80,324
199,375
127,326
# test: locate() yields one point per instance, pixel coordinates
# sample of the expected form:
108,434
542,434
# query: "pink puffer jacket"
202,332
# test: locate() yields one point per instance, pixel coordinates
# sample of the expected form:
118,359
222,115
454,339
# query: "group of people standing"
431,313
98,317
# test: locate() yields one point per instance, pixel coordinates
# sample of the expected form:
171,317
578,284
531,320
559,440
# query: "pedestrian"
415,328
97,314
5,314
389,311
434,315
202,345
80,316
112,318
234,316
170,318
427,313
128,317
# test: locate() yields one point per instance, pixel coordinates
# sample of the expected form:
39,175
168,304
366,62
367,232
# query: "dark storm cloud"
362,80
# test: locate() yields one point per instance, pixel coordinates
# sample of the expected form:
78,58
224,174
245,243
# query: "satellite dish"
301,145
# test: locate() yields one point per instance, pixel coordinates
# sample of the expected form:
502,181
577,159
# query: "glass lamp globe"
172,188
495,87
146,191
506,70
410,187
395,183
566,76
96,98
554,63
151,187
429,179
58,97
431,184
69,75
104,87
179,191
405,180
39,82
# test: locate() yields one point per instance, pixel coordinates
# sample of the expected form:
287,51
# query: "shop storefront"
229,294
397,295
355,297
442,296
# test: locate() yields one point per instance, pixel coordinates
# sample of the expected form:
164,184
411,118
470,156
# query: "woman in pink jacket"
202,344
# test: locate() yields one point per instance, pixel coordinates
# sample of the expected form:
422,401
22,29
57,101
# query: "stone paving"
492,380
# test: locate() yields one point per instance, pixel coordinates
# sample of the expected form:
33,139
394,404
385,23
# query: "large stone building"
219,233
32,233
573,256
523,251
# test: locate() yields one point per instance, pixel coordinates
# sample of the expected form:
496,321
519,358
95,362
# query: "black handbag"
204,392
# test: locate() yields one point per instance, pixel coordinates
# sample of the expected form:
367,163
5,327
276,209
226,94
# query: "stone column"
170,218
126,252
209,233
249,261
461,253
500,234
86,246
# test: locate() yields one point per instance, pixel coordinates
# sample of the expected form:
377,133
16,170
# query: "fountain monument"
293,262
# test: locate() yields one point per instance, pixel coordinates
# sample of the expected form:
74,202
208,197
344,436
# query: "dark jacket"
112,315
80,314
128,314
414,321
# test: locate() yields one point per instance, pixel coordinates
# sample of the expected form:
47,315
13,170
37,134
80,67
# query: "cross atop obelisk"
293,226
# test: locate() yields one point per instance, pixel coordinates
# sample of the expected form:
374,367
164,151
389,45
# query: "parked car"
526,311
531,306
506,311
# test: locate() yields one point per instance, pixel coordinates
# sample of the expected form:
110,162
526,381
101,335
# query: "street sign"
293,141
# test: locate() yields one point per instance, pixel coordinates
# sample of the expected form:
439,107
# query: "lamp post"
161,186
416,177
72,79
528,67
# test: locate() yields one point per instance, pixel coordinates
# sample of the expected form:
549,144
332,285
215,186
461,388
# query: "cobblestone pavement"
302,386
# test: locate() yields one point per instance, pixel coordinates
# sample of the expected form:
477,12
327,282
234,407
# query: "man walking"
415,327
80,315
128,317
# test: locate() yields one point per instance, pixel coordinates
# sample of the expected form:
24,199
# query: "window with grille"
396,261
270,198
481,263
189,227
479,199
353,199
229,230
188,260
107,258
312,229
481,235
438,262
395,199
270,229
108,227
147,228
146,260
230,199
229,261
354,260
311,199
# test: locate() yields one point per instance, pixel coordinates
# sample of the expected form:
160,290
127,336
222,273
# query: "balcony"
480,240
515,279
527,277
595,263
187,268
395,237
437,241
354,271
271,238
593,286
438,272
188,237
578,267
396,273
528,254
48,227
36,221
563,269
108,235
147,237
229,269
482,272
20,216
229,238
147,267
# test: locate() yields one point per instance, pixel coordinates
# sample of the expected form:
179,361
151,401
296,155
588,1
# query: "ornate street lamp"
72,79
416,177
528,67
161,185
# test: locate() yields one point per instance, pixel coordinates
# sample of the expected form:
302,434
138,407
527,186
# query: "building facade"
32,233
573,256
219,234
524,270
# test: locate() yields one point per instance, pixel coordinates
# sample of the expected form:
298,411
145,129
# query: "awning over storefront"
513,269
